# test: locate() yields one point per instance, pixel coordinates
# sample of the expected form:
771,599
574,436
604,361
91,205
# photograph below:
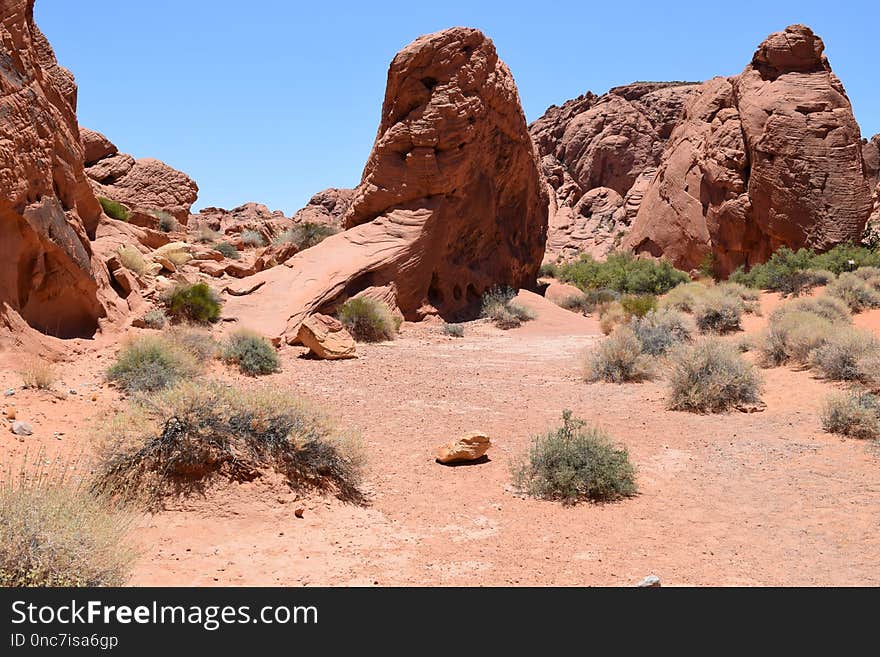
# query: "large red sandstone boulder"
47,209
768,158
325,207
451,201
871,155
611,143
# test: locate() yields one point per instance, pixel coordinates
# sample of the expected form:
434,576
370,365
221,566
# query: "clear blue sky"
273,100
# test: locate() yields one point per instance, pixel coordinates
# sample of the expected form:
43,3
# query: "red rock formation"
451,200
142,185
326,207
612,142
249,216
47,209
768,158
871,156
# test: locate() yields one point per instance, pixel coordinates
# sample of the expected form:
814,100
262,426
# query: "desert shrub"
55,532
622,272
131,259
611,315
453,330
306,234
749,297
113,209
783,272
745,344
228,250
659,330
684,297
638,305
167,222
252,238
195,303
573,463
856,414
710,376
846,257
187,435
793,336
830,308
618,359
37,373
718,312
856,292
204,234
549,270
253,353
155,319
200,344
848,354
498,306
577,303
869,274
368,320
152,362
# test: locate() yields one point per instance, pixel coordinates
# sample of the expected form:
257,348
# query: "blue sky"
272,101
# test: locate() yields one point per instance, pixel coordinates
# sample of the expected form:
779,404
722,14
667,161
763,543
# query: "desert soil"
763,498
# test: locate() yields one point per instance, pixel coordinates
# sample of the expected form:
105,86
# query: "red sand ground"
735,499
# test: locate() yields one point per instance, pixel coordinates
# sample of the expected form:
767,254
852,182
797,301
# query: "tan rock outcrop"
327,338
469,447
768,158
451,201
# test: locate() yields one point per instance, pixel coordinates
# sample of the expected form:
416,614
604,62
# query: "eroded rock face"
249,216
768,158
326,207
141,185
451,201
871,156
612,142
47,209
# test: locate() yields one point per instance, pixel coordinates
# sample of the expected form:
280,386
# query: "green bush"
848,354
152,362
575,462
622,272
113,209
155,319
718,312
856,415
253,353
187,435
549,270
855,292
368,320
228,250
54,532
711,376
684,297
252,238
453,330
660,330
306,235
793,336
638,305
498,306
846,257
618,359
195,303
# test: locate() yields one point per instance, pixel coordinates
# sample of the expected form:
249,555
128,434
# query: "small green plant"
623,272
166,221
253,353
54,532
660,330
718,312
549,270
618,359
152,362
182,438
252,238
574,463
638,305
856,414
857,293
498,306
368,320
228,250
306,235
453,330
113,209
155,319
710,376
195,303
707,266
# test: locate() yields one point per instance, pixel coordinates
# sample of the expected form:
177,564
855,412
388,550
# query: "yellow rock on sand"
469,447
